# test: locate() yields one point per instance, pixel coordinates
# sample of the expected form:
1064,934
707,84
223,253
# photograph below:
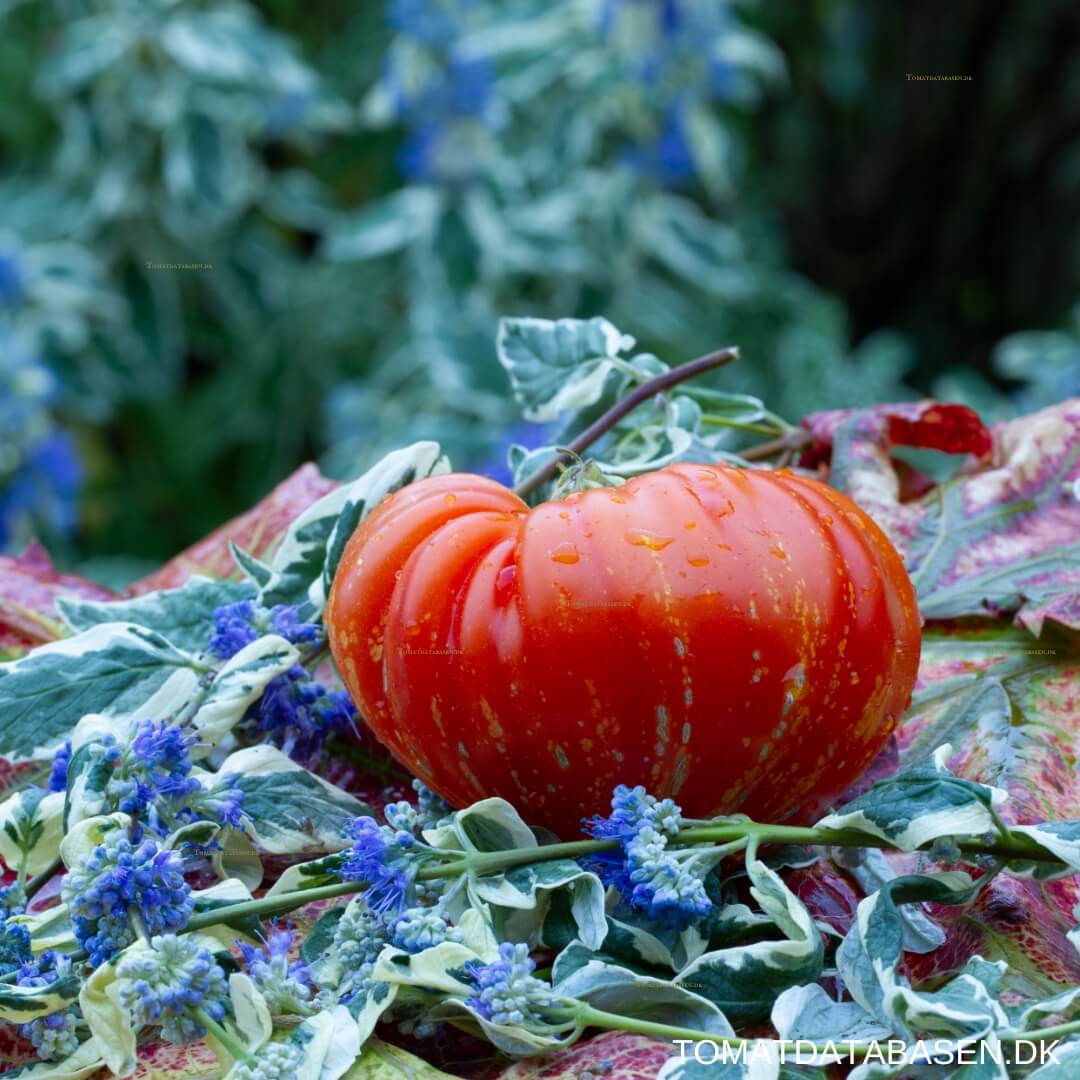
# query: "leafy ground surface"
995,554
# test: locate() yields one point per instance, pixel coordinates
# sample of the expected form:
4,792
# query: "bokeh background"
234,237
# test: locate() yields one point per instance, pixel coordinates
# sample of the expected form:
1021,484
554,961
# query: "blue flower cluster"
295,711
59,770
444,93
118,878
40,475
653,880
383,857
152,781
361,934
14,947
166,983
277,1061
507,990
672,58
284,984
54,1036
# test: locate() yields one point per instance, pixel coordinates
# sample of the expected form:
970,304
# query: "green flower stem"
238,1052
718,420
38,881
1012,846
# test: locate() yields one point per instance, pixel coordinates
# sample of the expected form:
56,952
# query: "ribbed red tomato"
741,640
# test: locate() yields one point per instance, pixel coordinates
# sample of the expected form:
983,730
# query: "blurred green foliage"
241,236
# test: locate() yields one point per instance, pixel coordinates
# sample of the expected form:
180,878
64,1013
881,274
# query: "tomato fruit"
741,640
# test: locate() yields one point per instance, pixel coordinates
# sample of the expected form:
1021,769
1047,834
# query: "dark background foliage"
370,186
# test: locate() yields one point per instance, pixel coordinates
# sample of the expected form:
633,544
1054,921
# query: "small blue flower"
117,878
277,1061
359,937
655,881
166,983
284,984
234,629
431,809
11,279
14,946
54,1036
238,625
507,990
380,856
297,713
58,774
422,928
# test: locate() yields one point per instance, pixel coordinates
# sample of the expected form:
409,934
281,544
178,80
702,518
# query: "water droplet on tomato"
449,499
412,629
756,654
854,678
504,583
565,553
778,551
698,560
644,538
690,525
564,515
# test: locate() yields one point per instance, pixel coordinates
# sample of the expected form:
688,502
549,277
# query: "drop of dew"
565,553
644,538
697,560
505,580
778,551
449,499
412,629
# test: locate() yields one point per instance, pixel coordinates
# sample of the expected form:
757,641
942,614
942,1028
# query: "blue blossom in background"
422,928
285,984
656,882
115,878
445,95
40,473
54,1036
11,279
166,983
507,990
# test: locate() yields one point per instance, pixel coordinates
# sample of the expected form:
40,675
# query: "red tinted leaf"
29,588
257,531
827,894
1004,535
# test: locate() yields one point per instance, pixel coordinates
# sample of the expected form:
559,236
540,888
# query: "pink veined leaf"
257,531
1009,705
29,588
1002,536
614,1054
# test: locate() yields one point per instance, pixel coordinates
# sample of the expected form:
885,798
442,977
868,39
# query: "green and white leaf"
88,771
557,366
21,1004
307,875
289,809
807,1012
356,500
81,839
31,828
184,616
919,805
85,1061
111,1024
113,668
302,567
617,990
240,682
744,981
250,1013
